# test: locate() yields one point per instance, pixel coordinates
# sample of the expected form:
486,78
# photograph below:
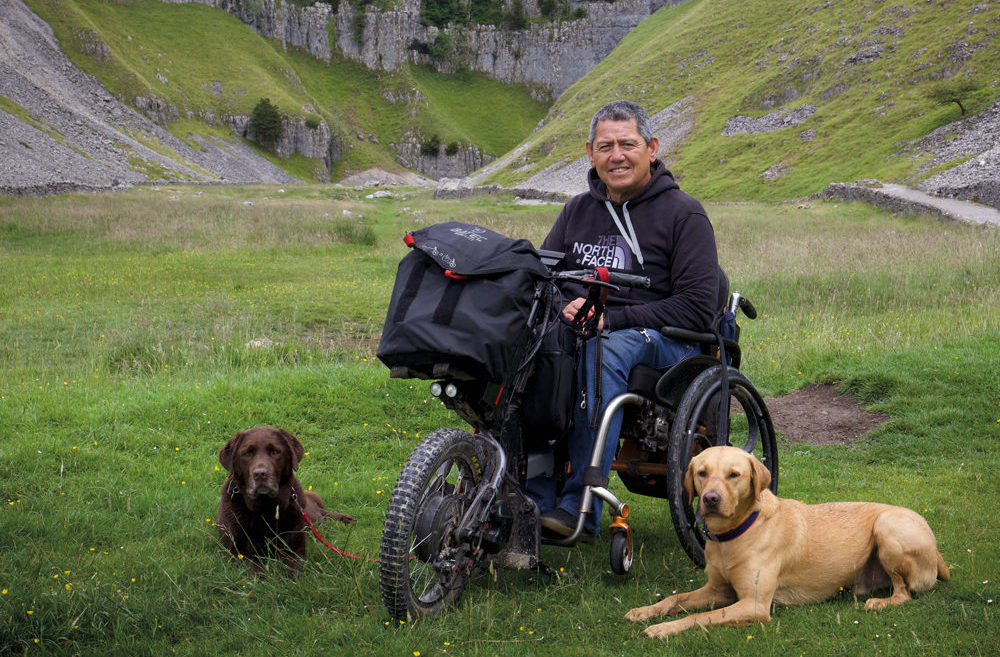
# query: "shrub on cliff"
441,12
265,123
431,147
516,19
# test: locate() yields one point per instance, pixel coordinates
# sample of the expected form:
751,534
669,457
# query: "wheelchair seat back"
668,387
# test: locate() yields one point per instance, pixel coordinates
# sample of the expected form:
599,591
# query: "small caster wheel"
621,552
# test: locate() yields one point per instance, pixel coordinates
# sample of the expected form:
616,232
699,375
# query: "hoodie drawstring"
630,237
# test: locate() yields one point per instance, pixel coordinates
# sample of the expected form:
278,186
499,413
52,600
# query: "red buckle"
409,241
605,277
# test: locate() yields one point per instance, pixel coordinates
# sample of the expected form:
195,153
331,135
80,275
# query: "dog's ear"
295,449
760,476
689,481
229,450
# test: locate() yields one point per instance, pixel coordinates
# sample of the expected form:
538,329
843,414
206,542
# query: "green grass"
160,49
733,58
125,368
477,110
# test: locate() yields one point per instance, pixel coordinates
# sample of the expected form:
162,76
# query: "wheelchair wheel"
423,563
695,428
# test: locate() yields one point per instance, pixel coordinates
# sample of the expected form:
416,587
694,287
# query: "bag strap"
409,293
445,310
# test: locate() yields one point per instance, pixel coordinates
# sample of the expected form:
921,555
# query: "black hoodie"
677,244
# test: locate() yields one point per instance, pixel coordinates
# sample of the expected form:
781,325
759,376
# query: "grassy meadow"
140,330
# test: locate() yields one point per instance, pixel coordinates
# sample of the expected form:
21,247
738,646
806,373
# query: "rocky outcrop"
550,56
557,54
443,163
297,136
384,40
779,119
292,24
310,138
976,140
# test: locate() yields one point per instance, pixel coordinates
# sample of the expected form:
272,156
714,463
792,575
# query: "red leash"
295,498
324,541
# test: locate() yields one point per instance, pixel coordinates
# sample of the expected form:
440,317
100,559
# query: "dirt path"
902,199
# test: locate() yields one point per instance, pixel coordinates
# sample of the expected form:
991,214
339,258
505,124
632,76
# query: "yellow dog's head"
727,480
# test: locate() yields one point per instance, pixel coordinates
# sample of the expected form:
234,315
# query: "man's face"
621,157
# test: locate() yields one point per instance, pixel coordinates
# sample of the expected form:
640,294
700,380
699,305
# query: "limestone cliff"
547,55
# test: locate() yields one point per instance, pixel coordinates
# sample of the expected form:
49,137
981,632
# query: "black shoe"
562,523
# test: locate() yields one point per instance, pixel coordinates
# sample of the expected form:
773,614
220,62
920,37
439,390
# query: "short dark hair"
623,110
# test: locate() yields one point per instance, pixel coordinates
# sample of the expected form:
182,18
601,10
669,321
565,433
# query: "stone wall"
986,192
900,199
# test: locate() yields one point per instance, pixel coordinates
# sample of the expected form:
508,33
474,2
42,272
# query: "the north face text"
609,251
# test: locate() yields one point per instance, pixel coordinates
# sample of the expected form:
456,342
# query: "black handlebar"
629,280
615,279
556,262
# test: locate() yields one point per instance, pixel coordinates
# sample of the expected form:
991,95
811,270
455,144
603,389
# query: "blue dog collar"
731,534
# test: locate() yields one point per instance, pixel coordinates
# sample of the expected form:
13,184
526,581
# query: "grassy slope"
212,62
125,369
732,57
735,57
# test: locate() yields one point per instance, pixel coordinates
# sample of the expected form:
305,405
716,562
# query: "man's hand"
573,307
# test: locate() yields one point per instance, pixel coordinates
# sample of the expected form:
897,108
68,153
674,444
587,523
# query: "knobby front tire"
423,566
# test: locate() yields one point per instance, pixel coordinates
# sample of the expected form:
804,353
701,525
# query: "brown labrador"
790,552
262,504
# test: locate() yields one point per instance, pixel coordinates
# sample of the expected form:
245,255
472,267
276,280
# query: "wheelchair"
460,503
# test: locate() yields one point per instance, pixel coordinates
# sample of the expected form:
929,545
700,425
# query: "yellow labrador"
772,550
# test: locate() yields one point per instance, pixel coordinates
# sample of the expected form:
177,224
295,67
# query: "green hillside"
865,66
207,63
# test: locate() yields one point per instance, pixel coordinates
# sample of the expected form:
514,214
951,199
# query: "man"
635,219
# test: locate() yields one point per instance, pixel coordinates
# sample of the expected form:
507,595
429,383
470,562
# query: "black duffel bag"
460,304
552,390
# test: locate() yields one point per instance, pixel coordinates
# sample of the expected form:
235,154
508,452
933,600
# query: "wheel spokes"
433,574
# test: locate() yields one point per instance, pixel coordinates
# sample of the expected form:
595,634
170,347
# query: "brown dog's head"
727,480
261,460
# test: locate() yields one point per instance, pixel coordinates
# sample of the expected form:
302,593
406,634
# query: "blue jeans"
622,350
